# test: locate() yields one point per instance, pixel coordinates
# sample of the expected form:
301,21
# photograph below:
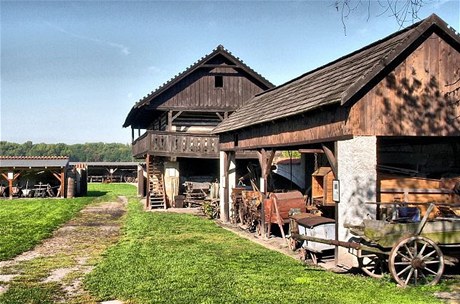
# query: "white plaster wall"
231,183
171,175
357,161
221,183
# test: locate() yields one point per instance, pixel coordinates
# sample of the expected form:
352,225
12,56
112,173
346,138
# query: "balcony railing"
176,144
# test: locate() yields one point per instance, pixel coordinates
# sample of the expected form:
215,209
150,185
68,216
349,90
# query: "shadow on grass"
96,193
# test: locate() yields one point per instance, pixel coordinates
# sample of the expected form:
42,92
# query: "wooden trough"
278,205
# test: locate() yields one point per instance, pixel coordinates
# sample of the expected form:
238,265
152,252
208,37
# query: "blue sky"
72,70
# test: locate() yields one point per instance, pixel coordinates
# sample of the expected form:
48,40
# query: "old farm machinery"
413,250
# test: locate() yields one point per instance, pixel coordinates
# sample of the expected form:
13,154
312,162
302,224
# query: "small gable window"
218,81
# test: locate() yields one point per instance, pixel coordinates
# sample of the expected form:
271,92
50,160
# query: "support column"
170,120
171,179
147,167
265,161
223,184
231,182
140,181
11,177
227,182
61,178
357,174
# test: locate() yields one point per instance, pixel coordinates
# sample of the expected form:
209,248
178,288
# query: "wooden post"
332,160
265,160
61,179
226,214
10,188
11,177
170,120
140,181
147,167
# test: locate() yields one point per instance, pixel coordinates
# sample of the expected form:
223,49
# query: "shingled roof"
219,50
333,83
33,161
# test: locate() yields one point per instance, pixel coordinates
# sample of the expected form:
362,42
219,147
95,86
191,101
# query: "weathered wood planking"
411,100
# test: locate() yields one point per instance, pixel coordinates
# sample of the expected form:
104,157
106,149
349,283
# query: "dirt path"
69,254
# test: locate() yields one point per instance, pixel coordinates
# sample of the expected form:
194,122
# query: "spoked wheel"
416,260
374,265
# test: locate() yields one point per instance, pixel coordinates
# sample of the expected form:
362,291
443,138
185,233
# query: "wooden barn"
177,119
385,119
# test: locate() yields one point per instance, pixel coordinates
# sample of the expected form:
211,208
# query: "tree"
88,152
405,12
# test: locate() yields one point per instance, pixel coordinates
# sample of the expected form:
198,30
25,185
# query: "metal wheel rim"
373,265
416,260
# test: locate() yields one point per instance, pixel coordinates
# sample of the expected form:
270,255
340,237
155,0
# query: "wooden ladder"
156,186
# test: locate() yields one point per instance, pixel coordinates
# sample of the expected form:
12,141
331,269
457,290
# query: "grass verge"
56,272
176,258
25,222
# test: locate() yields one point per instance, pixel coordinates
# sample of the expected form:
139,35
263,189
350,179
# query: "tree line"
88,152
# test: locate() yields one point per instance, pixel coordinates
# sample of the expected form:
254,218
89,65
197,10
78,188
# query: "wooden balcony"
175,144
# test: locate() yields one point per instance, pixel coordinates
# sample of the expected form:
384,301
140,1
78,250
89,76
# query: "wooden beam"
265,161
170,120
177,115
227,161
332,160
10,182
305,151
147,198
220,66
220,116
60,177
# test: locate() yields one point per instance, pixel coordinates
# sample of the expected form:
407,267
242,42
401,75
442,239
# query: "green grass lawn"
176,258
25,222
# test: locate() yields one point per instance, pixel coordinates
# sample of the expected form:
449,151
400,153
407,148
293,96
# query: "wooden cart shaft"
352,245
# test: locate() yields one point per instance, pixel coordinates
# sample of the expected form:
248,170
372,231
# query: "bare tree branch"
404,12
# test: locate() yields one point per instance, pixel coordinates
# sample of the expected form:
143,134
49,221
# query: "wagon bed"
413,252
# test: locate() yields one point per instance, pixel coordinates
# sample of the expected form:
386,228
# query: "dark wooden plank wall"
197,91
412,101
299,130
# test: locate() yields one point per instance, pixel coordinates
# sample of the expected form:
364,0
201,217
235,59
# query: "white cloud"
154,69
123,49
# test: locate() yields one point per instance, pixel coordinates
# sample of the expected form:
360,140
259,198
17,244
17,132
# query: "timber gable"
218,82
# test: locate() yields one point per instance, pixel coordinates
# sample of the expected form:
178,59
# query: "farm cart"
414,252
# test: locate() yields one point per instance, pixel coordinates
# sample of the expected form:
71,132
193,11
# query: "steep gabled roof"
220,50
336,82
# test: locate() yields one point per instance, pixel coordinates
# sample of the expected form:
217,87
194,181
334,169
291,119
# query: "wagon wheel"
416,260
374,265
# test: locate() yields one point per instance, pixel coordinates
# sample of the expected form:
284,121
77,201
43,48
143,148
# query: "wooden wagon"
414,253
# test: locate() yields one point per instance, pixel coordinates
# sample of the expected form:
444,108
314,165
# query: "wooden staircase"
157,195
